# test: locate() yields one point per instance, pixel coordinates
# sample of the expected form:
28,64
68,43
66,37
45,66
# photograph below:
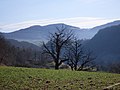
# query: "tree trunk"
72,68
75,68
56,66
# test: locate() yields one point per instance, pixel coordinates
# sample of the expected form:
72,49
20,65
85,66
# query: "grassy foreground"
12,78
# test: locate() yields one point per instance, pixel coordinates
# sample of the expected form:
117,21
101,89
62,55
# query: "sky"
18,14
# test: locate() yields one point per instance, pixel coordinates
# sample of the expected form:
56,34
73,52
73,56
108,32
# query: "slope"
106,45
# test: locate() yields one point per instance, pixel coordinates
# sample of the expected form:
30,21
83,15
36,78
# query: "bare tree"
73,53
56,44
78,59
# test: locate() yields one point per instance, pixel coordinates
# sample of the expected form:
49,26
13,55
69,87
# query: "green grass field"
13,78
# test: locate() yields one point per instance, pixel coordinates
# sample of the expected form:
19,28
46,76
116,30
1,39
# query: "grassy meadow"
17,78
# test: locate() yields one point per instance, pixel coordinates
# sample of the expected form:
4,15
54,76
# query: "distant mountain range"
37,34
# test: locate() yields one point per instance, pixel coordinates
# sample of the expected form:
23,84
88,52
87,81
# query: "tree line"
22,57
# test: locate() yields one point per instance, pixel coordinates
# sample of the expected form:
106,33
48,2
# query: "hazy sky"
16,14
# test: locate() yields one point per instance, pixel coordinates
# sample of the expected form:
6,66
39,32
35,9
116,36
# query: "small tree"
57,43
77,58
73,53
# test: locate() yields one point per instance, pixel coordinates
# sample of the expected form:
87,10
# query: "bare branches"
78,58
87,61
62,48
73,53
51,52
57,42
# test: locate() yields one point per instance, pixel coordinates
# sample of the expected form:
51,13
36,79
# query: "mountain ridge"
37,34
105,45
